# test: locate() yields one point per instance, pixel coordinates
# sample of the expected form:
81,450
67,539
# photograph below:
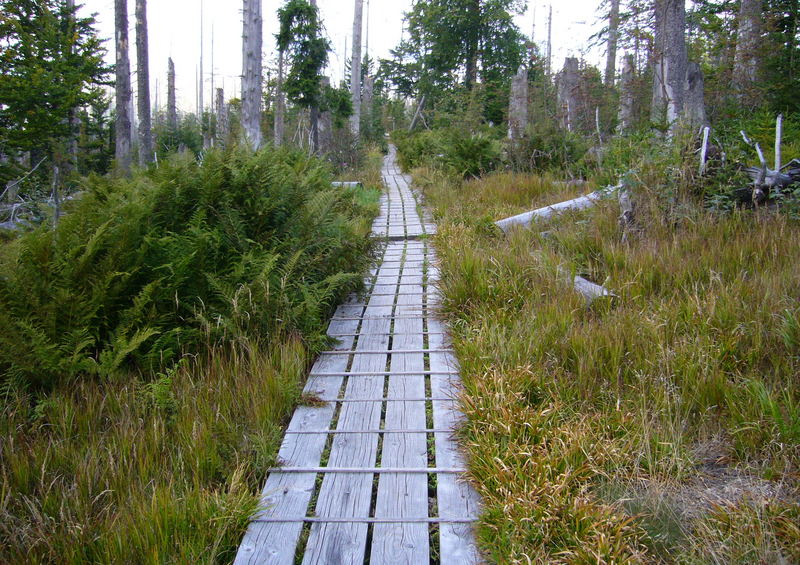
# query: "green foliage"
300,39
143,270
51,63
465,156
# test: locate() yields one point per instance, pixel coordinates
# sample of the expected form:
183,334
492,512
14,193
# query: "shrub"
144,269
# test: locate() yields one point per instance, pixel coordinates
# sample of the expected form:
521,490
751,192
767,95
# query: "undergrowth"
579,417
154,345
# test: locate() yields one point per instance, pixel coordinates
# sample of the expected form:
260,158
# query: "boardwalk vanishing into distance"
372,472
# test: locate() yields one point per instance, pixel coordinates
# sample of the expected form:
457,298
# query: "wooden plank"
349,494
404,495
455,497
289,495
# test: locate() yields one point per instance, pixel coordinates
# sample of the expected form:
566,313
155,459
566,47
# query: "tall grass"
153,346
569,407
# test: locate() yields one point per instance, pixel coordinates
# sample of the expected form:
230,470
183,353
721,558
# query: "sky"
175,31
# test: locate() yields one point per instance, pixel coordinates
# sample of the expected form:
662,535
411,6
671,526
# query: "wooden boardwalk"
372,473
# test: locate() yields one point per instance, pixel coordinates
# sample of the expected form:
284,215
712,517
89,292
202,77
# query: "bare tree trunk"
568,86
143,82
222,119
71,163
280,104
417,113
626,95
251,73
694,106
669,75
366,104
172,107
355,73
471,40
613,36
746,61
123,87
325,123
518,105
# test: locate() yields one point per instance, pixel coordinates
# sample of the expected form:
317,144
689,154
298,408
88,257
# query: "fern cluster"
142,270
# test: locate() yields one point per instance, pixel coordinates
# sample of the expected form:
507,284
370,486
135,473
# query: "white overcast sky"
174,31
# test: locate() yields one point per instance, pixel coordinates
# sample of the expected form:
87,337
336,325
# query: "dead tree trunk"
71,163
280,104
626,95
325,134
123,87
518,105
143,82
417,113
172,108
222,119
613,36
355,67
366,103
746,61
694,106
669,75
568,86
251,73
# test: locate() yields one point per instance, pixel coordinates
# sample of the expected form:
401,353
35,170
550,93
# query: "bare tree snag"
694,106
367,101
123,87
746,60
669,74
518,105
222,119
251,73
417,113
172,107
143,82
626,95
325,123
613,36
778,138
71,163
568,86
280,104
355,70
704,150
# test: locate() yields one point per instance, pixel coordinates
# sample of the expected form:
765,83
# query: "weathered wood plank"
349,494
289,494
404,495
455,497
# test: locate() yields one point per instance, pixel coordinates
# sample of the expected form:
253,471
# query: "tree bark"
669,75
355,70
518,105
366,103
172,107
71,163
472,41
568,86
694,106
746,61
325,130
222,119
613,36
626,96
123,87
143,82
251,73
280,104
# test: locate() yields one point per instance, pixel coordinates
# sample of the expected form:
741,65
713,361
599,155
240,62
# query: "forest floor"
664,426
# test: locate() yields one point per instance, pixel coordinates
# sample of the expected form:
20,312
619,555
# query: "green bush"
144,269
546,149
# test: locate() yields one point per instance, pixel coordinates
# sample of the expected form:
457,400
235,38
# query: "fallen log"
525,219
347,184
586,288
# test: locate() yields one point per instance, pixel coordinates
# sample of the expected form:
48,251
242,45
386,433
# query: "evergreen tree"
51,62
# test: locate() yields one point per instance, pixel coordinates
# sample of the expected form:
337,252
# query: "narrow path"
371,474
